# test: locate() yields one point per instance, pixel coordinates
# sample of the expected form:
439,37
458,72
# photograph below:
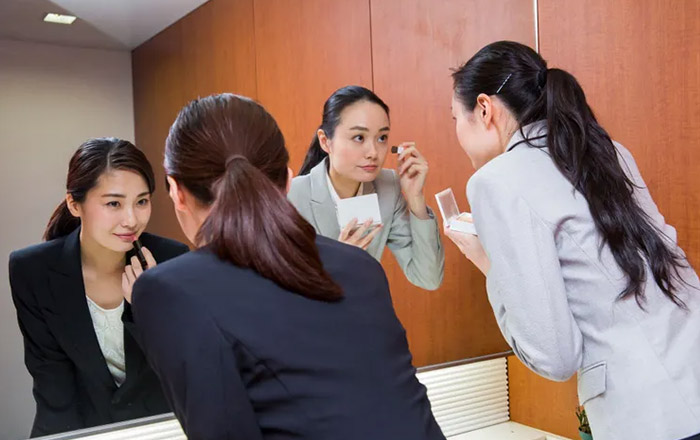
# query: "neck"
343,186
98,258
509,127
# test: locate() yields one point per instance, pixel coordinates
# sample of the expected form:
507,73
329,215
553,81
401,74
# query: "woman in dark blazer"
268,331
68,291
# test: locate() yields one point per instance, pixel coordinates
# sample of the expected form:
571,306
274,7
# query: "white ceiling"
101,24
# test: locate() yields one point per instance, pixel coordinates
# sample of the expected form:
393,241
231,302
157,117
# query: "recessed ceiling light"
59,18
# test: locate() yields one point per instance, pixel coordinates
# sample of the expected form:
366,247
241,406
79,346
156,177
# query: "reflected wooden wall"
636,59
290,55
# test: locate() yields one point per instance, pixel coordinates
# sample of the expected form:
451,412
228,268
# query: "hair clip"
504,83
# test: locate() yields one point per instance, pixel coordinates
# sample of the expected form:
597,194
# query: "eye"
143,202
113,204
383,138
359,138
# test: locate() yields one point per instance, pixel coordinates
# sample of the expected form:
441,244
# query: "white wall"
52,98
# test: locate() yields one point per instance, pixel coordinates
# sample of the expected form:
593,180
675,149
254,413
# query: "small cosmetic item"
457,221
360,207
396,150
139,254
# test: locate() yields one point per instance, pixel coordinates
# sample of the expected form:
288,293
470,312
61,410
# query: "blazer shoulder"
300,188
35,255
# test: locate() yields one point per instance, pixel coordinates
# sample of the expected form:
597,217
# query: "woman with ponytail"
582,271
265,331
69,293
346,159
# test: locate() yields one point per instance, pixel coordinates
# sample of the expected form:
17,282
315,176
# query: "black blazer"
73,387
240,357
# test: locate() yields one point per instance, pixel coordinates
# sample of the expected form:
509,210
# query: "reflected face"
359,145
480,142
116,211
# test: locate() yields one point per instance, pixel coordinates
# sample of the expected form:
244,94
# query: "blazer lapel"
68,291
322,206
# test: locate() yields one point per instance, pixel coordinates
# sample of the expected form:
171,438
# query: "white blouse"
109,329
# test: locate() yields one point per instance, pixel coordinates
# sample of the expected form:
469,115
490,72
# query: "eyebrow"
361,128
122,196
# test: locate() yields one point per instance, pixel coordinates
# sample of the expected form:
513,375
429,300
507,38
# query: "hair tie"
234,158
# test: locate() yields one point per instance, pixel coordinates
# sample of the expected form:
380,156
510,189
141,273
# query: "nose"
129,219
372,150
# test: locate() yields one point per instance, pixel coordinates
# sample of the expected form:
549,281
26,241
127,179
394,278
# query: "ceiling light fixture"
59,18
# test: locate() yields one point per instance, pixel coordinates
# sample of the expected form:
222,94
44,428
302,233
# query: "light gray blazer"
414,242
554,297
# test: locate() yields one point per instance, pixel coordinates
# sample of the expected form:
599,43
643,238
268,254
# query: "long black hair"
582,150
92,159
334,106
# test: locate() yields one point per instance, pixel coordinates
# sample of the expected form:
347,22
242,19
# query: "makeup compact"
457,221
360,207
396,150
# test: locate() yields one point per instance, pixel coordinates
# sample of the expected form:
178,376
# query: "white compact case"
458,221
360,207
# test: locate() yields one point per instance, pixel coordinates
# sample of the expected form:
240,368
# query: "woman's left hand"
471,247
134,270
413,170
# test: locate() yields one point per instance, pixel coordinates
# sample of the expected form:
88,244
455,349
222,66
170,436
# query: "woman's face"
477,137
116,211
359,145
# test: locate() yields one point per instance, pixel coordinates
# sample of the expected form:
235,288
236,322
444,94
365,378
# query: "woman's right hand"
352,234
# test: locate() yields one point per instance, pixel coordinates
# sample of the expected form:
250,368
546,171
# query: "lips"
127,237
369,168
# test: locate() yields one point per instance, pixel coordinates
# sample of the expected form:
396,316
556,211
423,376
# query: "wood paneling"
415,43
305,50
541,403
211,50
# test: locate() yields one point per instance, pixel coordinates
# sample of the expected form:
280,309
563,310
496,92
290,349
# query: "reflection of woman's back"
267,331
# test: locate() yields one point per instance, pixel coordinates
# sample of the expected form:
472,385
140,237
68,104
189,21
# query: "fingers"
130,275
149,257
345,233
364,244
412,167
136,266
409,149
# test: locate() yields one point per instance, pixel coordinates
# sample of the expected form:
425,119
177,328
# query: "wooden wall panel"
305,50
415,44
211,50
541,403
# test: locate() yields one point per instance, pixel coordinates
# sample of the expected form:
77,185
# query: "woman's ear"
176,194
484,109
323,141
73,206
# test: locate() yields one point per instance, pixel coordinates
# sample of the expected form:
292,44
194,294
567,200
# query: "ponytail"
62,223
582,151
251,224
314,156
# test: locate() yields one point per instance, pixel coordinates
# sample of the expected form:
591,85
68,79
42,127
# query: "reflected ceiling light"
59,18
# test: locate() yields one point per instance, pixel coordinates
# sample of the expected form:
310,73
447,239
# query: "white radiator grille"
468,397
